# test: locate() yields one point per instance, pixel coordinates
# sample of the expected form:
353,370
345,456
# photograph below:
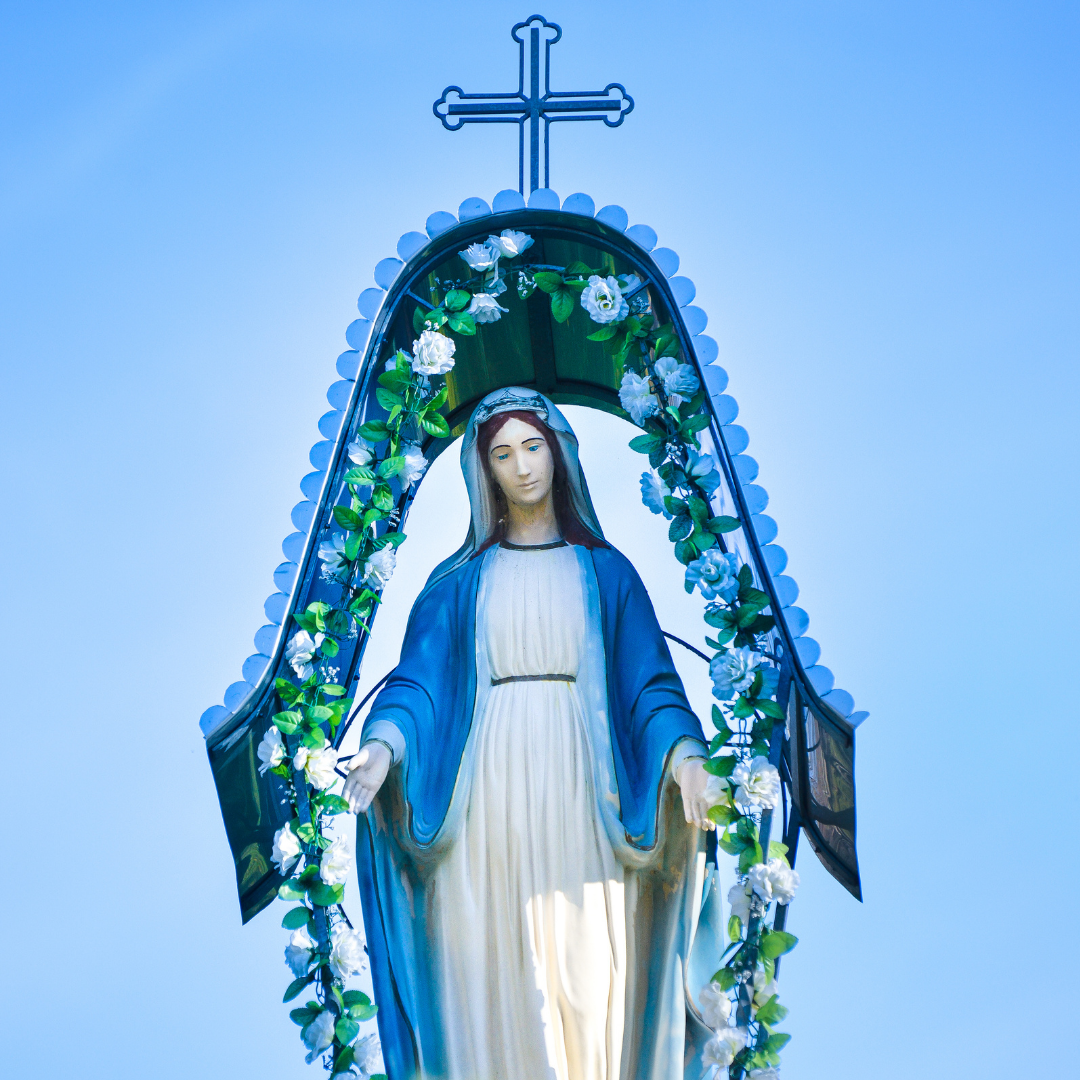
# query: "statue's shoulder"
613,568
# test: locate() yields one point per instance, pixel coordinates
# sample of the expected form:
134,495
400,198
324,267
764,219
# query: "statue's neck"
528,526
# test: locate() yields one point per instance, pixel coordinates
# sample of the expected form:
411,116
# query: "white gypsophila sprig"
379,568
271,751
757,785
721,1049
774,880
702,470
715,1006
300,652
678,379
336,863
286,851
348,954
318,1035
335,563
318,764
603,300
433,353
637,398
653,492
509,243
299,951
715,573
481,256
484,308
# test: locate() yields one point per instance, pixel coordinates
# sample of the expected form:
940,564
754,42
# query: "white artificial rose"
367,1053
380,567
732,671
702,470
335,564
360,451
271,750
286,849
637,398
721,1049
348,956
485,308
319,1034
679,381
318,765
414,465
716,791
716,574
300,652
738,899
763,989
603,300
715,1006
757,785
433,353
299,951
774,880
653,492
481,256
336,862
510,243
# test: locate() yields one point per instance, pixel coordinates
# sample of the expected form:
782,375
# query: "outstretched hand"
366,776
693,779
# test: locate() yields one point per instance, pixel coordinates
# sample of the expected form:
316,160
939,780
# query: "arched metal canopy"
528,348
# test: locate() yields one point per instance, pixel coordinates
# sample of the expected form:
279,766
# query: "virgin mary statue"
528,870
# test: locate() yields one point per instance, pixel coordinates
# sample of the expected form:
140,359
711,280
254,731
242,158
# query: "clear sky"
877,202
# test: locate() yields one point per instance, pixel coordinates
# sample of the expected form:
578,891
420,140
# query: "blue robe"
430,697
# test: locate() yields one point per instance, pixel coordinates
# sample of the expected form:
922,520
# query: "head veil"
481,494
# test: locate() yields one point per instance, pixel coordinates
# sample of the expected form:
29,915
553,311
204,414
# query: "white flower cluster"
637,398
299,951
757,785
484,308
286,851
602,298
348,951
318,1035
716,574
300,652
721,1049
433,353
774,880
360,451
653,492
318,764
379,568
507,245
679,381
702,470
335,564
271,751
336,862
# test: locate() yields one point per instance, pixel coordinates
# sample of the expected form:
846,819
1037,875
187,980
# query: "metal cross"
456,108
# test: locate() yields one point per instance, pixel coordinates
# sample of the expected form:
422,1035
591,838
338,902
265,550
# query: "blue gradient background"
877,202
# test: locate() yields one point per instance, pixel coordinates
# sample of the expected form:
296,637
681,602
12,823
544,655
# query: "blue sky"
877,202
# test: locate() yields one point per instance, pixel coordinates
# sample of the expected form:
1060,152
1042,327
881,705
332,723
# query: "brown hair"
571,526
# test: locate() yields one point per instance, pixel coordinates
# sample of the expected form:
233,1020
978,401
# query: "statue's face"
521,463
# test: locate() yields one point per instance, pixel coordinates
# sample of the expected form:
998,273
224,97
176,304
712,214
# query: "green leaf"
778,850
685,552
375,431
438,401
306,832
396,379
724,524
722,815
605,333
693,424
344,1062
295,918
751,856
297,985
391,466
770,708
722,766
750,595
361,476
725,978
287,722
457,300
462,323
387,398
346,518
646,444
290,890
742,708
346,1029
734,928
382,499
679,528
326,895
334,804
579,268
434,319
562,305
332,689
435,424
320,712
777,942
772,1012
329,647
303,1017
776,1042
547,280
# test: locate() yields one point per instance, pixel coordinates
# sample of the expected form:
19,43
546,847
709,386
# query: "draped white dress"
531,923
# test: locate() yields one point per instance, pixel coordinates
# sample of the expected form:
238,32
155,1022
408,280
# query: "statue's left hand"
366,776
692,780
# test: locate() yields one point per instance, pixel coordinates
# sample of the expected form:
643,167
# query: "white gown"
531,922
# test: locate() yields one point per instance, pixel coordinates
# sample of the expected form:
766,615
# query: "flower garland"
663,396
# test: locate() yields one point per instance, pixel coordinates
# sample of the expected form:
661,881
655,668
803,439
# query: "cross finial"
534,101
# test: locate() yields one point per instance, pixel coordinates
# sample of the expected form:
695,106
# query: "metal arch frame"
362,406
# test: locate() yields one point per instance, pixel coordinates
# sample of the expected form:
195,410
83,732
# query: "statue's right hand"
366,776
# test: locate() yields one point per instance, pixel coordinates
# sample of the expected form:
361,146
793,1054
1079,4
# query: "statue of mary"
528,871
